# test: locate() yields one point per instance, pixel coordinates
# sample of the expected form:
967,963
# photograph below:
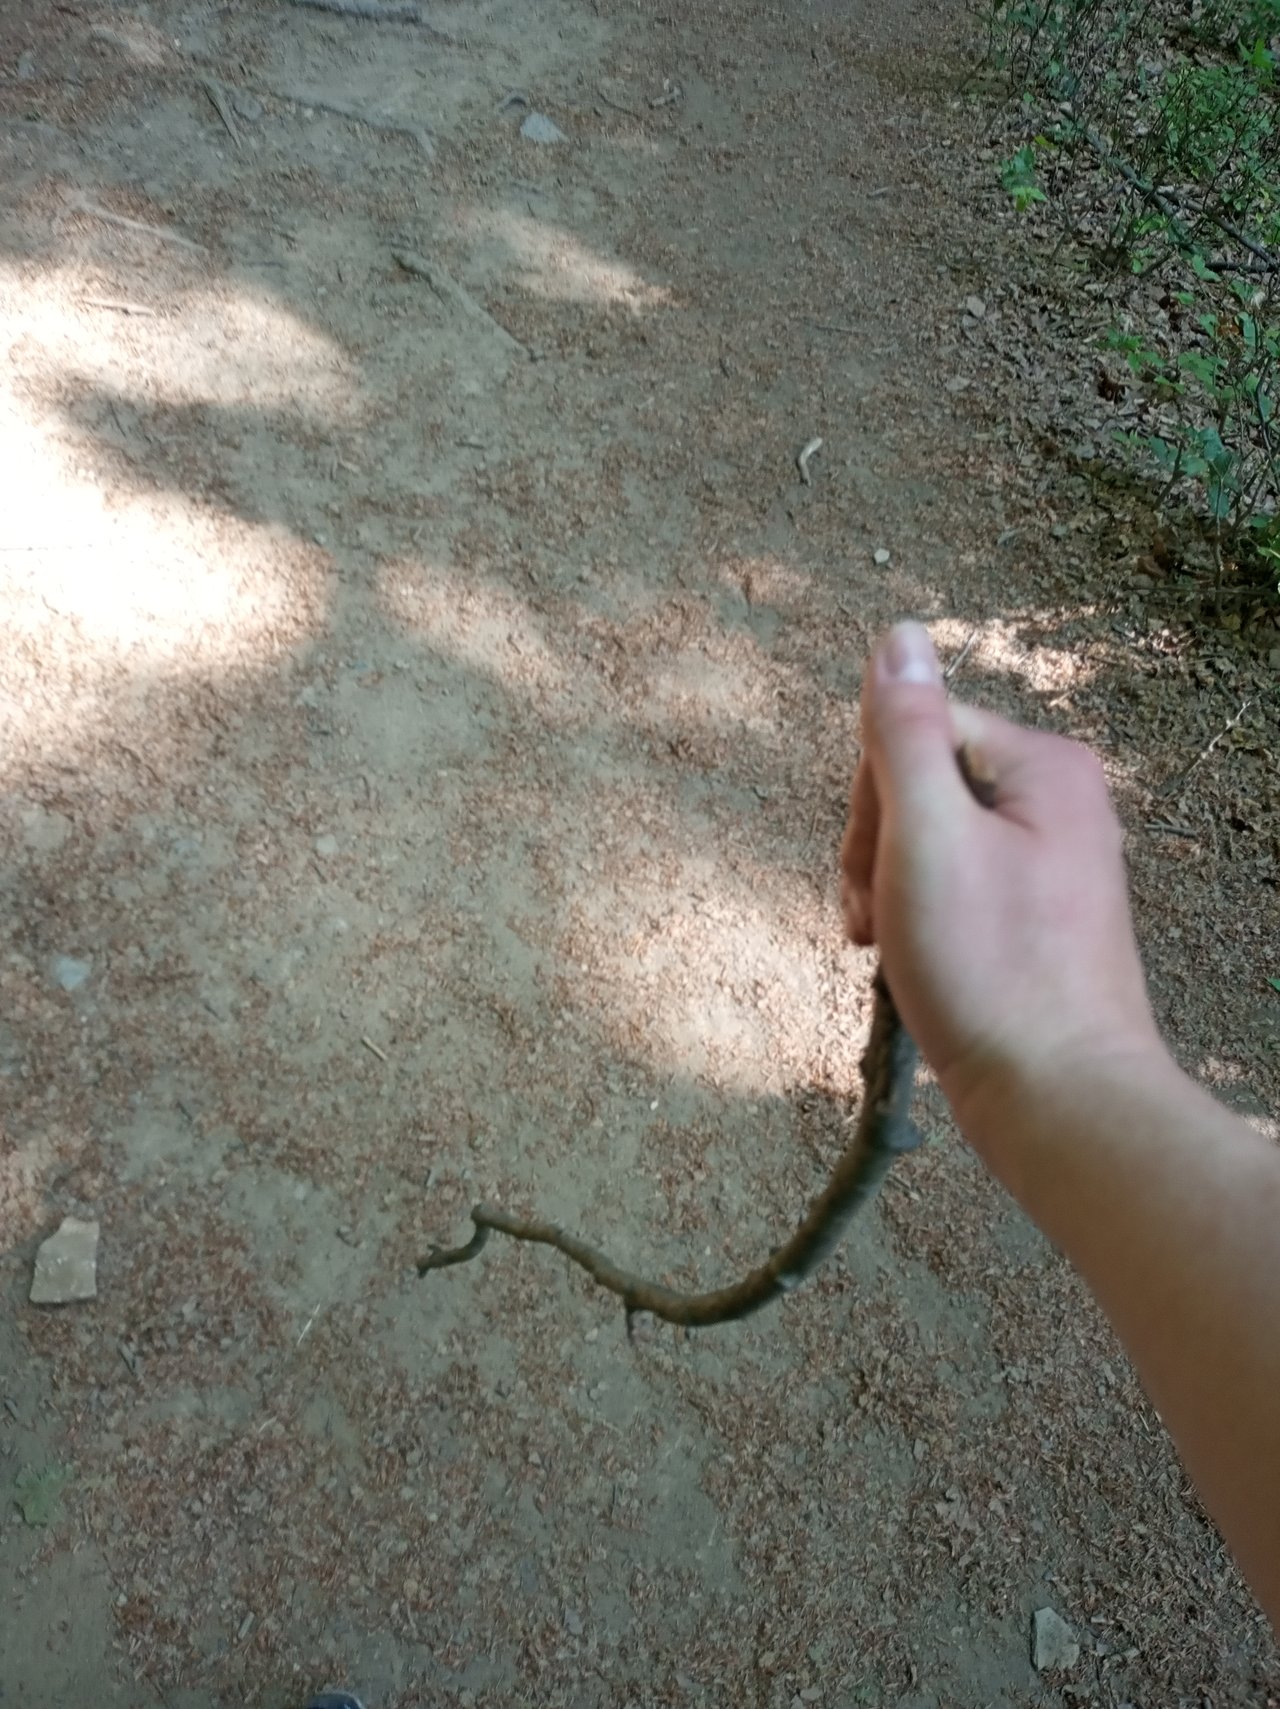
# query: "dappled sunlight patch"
94,583
172,343
483,625
555,263
143,44
1000,648
699,958
121,549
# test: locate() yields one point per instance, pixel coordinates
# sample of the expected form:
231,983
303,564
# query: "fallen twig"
961,656
1176,782
116,305
370,1046
82,205
884,1131
379,12
390,12
222,107
355,115
617,105
802,460
451,293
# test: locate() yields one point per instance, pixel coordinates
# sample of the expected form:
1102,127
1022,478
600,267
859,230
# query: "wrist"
1013,1108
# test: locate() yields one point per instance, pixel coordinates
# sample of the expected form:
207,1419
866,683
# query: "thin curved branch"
884,1131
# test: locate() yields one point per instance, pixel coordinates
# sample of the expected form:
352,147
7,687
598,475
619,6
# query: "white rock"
1053,1643
882,554
67,1265
327,846
539,128
43,832
975,306
70,973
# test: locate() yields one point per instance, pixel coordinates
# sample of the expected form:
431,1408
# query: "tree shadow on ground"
437,764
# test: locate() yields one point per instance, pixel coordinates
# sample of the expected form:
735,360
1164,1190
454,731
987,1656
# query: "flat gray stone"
539,128
67,1265
71,973
326,846
44,832
1053,1643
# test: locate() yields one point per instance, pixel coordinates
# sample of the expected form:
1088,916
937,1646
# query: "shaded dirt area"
427,715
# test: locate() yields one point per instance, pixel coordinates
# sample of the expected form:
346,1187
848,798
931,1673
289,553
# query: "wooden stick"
883,1132
961,656
83,205
451,293
379,12
1176,782
117,305
220,105
617,105
355,115
811,449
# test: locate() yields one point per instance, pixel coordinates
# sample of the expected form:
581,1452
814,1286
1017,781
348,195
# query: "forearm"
1169,1207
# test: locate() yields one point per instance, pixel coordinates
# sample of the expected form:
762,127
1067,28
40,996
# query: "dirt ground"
427,713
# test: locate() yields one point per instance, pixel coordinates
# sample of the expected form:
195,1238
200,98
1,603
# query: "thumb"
907,729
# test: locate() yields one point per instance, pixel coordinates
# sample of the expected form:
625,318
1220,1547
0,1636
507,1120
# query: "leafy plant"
36,1493
1018,177
1173,122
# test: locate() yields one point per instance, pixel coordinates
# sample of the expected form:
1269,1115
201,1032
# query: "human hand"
1004,932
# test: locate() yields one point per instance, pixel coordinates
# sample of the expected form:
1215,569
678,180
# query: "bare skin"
1006,940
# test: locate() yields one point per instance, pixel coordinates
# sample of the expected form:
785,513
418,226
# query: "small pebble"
1053,1643
327,846
539,128
67,1265
882,555
70,973
975,306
